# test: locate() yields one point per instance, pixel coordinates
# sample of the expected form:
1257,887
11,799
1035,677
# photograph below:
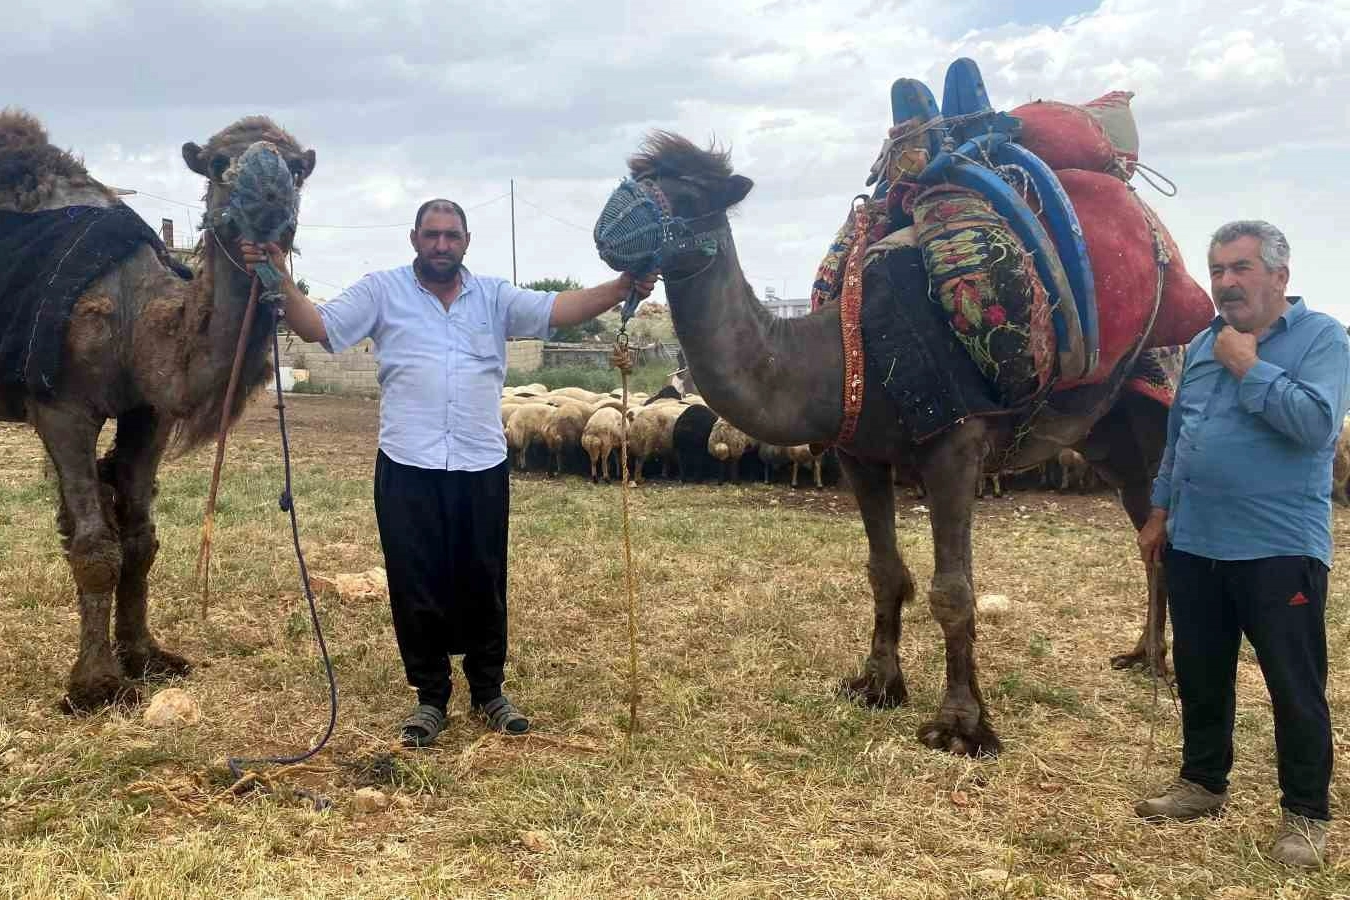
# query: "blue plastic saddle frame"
1058,248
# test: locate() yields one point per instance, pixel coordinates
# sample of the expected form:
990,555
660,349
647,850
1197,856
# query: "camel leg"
1126,447
951,474
129,468
1136,500
881,683
92,550
736,470
794,474
816,467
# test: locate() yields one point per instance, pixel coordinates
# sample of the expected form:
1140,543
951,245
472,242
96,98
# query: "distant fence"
353,371
597,355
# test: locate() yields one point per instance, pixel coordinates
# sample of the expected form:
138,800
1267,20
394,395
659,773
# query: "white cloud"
1243,104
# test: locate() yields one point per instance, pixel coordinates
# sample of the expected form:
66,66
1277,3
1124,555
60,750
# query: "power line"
198,206
550,215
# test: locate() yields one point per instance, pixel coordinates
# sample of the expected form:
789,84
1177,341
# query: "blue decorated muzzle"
264,203
636,232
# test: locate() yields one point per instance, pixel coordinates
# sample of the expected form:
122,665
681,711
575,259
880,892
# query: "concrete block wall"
524,356
353,370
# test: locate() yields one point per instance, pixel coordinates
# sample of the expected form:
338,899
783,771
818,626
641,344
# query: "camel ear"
303,166
736,189
192,155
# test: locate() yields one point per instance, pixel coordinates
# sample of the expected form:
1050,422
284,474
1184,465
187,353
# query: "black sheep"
666,393
691,444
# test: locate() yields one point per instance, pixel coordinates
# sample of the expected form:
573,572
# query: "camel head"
671,212
255,170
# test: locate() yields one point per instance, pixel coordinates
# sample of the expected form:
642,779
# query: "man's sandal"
422,726
502,715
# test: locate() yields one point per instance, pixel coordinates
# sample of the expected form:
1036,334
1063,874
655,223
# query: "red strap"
850,326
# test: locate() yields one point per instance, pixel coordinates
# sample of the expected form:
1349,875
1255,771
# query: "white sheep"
801,455
651,433
525,427
727,444
563,428
603,435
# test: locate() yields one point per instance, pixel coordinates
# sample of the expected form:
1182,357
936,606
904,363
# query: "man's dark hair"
440,204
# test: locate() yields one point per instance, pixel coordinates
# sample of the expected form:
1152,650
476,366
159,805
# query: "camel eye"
219,163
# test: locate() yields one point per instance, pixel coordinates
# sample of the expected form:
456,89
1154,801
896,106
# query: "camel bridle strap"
637,232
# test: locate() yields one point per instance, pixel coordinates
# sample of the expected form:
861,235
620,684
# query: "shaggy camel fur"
154,353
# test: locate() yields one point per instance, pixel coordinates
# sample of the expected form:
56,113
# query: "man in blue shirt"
441,473
1242,523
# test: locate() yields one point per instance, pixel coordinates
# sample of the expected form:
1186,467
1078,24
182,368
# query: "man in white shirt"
441,473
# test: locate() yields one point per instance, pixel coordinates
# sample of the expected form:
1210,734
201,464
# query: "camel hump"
35,174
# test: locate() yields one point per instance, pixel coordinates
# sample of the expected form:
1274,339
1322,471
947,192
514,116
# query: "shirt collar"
1296,309
467,281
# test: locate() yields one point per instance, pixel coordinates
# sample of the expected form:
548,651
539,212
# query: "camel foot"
948,735
1139,659
878,693
97,691
152,663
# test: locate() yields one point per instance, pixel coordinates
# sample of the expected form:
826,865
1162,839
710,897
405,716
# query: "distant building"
784,308
186,253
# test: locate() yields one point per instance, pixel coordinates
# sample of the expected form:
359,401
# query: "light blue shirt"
1247,469
440,371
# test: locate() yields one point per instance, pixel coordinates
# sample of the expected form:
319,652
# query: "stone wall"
353,370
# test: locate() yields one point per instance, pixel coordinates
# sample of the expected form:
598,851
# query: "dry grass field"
749,778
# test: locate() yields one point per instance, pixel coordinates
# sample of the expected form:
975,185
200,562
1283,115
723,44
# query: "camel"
781,382
153,352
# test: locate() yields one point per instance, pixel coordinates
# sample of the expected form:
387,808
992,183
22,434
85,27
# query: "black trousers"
444,536
1279,603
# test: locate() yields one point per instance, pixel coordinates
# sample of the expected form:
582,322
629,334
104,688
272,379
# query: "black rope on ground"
287,503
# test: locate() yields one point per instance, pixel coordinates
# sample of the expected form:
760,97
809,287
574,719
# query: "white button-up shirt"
440,371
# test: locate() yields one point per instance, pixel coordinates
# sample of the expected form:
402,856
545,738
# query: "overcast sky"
1244,105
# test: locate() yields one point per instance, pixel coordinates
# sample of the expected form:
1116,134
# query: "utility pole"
513,231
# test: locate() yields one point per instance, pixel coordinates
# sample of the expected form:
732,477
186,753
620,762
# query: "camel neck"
778,380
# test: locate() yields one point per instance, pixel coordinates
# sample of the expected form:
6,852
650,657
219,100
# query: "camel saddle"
47,260
1057,284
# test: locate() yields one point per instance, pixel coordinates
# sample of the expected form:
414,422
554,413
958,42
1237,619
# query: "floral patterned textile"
986,283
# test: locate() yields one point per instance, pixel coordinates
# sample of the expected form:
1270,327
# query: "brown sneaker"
1300,842
1182,800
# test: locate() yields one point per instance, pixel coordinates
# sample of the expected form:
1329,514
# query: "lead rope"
287,503
209,520
1153,649
622,359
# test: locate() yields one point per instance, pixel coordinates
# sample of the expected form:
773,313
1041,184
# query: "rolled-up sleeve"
525,312
351,316
1309,406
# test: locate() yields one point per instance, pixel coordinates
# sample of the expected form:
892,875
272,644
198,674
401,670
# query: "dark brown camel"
153,352
781,380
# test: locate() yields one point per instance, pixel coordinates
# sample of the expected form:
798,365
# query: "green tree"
570,333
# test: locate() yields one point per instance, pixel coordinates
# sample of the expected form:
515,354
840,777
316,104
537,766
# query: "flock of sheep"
569,428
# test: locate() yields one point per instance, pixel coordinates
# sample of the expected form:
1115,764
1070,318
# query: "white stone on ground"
172,707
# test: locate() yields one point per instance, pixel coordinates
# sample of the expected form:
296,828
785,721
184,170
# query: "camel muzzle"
636,232
264,203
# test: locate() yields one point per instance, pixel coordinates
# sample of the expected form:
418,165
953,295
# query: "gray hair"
1274,245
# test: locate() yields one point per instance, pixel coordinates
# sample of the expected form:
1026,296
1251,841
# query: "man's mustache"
1231,294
